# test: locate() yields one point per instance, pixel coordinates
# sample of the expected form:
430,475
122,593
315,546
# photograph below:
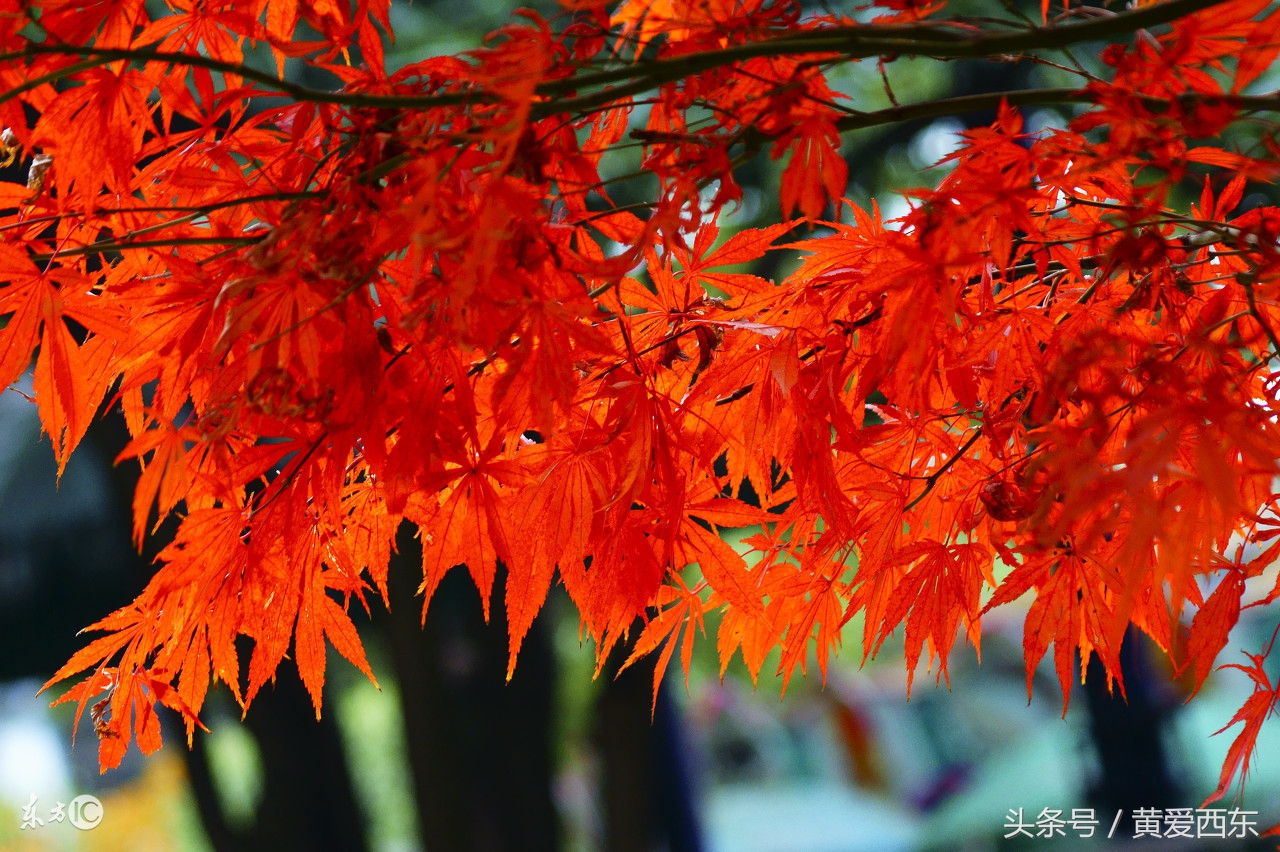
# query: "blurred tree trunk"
479,746
307,798
647,789
1129,736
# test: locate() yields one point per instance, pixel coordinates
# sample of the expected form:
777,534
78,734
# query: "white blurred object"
805,818
32,758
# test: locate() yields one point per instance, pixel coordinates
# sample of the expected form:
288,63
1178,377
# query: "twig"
932,479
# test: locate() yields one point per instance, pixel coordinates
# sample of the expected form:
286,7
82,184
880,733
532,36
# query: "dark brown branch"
964,103
1021,97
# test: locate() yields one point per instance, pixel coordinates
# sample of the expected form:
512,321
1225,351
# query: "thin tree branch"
859,42
963,103
165,208
103,56
939,40
933,478
99,248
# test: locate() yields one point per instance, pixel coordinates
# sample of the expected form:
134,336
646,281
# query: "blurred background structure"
448,756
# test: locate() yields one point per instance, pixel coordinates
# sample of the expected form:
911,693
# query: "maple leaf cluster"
414,299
